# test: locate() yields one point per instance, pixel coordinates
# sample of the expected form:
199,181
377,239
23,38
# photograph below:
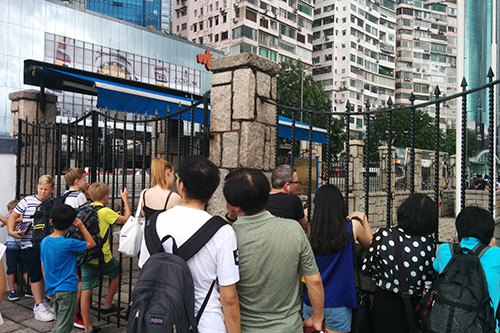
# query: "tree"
292,82
424,131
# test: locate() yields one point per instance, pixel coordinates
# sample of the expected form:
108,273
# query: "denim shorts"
336,319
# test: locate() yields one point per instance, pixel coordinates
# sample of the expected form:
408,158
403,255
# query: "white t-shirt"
75,199
216,260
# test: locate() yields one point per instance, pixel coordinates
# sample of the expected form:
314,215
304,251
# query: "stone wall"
242,125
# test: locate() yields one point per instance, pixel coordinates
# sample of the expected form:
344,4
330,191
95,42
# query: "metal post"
463,145
347,154
412,143
491,137
366,158
95,147
309,163
389,163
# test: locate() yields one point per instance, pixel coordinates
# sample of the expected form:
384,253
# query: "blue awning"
122,97
131,98
319,135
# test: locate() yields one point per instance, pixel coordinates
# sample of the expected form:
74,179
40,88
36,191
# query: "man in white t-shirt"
197,180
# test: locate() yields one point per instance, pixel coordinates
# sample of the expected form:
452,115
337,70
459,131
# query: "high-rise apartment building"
426,54
273,29
354,53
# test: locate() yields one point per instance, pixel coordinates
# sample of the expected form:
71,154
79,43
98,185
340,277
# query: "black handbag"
361,317
404,283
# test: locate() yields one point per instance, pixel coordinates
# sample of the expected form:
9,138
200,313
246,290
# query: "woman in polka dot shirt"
417,221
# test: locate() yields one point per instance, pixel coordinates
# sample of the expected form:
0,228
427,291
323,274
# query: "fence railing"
338,174
114,148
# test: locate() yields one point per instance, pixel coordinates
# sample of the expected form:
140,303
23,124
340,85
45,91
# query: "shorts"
13,259
336,319
64,303
31,257
90,273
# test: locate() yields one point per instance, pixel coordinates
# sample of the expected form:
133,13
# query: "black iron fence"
338,173
114,148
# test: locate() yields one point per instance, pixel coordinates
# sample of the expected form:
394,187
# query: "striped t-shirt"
27,207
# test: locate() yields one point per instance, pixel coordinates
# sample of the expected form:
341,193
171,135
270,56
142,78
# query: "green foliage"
292,80
424,131
424,134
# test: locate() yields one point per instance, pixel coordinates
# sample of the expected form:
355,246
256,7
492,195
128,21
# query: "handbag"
131,233
404,282
361,317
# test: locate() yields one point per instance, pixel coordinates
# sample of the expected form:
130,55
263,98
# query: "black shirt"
285,205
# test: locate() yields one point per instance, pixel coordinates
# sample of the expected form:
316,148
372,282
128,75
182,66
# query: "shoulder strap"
153,242
144,197
402,278
195,243
201,237
168,198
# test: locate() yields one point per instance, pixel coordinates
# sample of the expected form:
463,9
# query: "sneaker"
96,330
113,309
28,293
48,306
13,296
42,314
78,323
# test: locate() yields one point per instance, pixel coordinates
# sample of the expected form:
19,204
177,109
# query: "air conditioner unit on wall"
235,20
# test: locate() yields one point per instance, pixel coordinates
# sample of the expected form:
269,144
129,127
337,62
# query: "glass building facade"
478,40
140,12
55,32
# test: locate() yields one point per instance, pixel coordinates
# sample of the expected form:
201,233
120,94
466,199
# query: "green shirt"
273,255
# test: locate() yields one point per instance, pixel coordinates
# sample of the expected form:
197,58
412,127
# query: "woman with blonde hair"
160,196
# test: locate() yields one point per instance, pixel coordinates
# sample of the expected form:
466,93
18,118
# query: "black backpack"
163,298
87,213
462,301
41,218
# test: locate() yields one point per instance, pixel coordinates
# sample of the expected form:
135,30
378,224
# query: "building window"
178,29
200,40
216,38
195,27
196,12
251,15
201,26
184,26
217,20
217,5
210,22
224,18
224,35
264,23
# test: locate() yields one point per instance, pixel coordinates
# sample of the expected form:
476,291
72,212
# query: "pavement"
18,315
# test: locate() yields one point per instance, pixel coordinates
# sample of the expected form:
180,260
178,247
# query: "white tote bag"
131,233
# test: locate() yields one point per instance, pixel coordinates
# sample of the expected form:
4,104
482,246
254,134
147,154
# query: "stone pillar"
455,175
418,170
356,175
26,105
441,174
383,151
242,126
36,140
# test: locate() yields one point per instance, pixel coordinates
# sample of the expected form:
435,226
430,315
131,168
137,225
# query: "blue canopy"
136,98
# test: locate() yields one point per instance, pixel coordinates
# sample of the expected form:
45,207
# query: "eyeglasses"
297,182
177,176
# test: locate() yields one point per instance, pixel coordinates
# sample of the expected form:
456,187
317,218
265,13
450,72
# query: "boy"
13,254
59,266
474,226
99,193
77,182
31,255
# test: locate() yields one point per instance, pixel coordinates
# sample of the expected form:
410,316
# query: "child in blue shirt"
58,255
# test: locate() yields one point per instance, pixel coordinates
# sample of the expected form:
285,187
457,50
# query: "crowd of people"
257,259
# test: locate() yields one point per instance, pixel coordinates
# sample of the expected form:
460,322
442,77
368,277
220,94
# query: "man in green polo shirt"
273,255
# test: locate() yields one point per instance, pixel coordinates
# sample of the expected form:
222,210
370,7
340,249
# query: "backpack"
41,218
163,298
462,301
87,213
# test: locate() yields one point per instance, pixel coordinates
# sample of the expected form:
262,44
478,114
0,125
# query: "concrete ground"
18,315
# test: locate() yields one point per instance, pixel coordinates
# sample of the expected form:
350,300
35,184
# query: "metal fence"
373,182
113,148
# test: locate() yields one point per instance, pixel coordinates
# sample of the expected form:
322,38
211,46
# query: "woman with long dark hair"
417,221
331,239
